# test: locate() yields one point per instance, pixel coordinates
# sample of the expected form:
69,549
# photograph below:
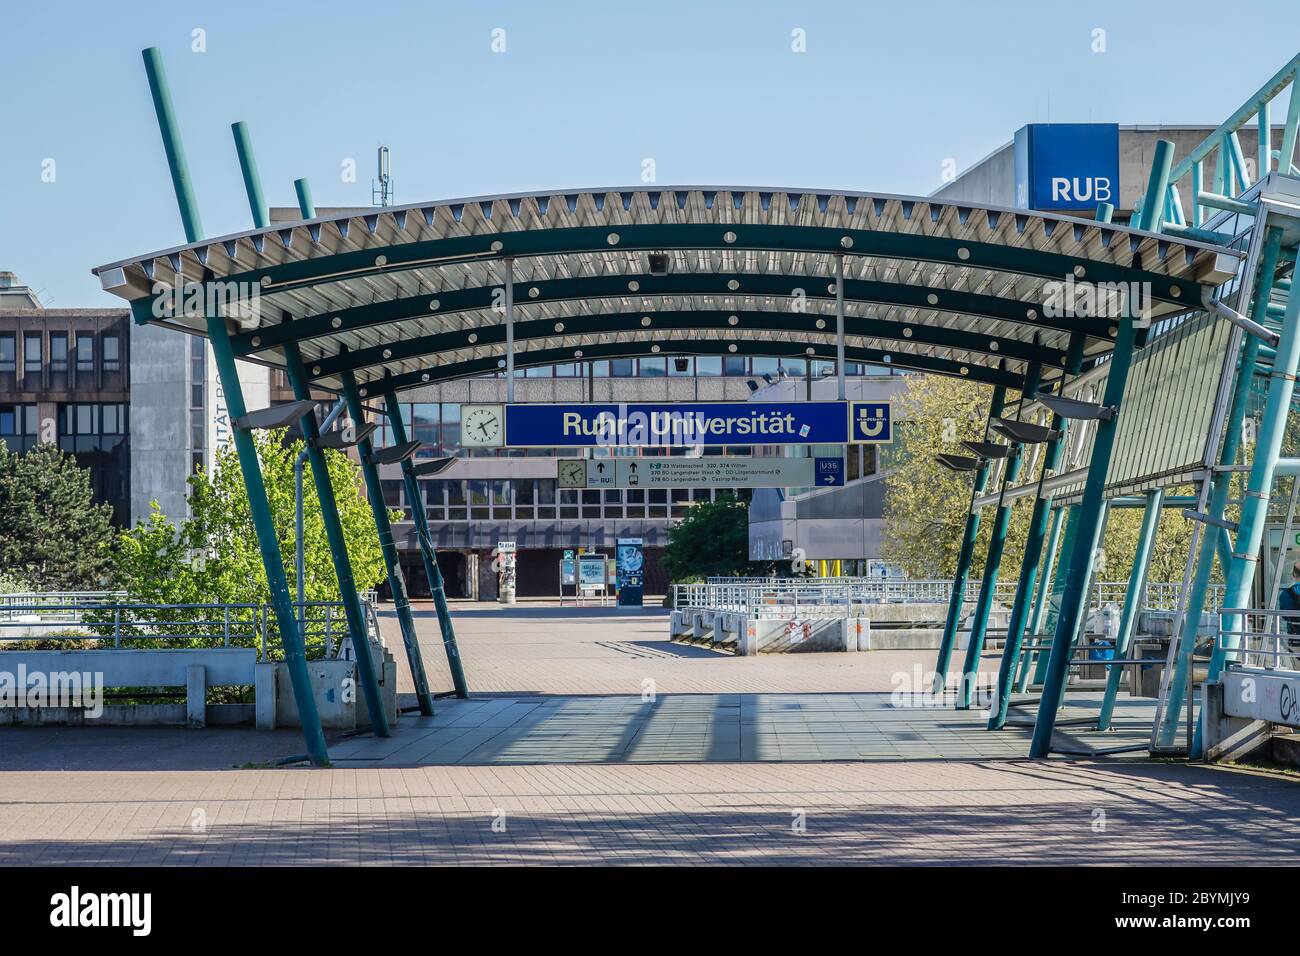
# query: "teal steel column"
427,552
401,602
1034,627
1045,585
1057,587
1033,551
295,653
993,560
1153,201
958,595
180,170
1074,601
305,206
1220,486
1137,581
1254,510
248,167
338,548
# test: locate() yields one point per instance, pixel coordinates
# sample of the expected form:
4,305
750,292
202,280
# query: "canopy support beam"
384,528
427,553
993,560
338,550
958,596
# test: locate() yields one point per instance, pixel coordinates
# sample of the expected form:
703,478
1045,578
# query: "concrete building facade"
65,377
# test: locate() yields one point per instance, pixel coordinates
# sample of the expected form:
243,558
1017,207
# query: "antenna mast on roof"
381,190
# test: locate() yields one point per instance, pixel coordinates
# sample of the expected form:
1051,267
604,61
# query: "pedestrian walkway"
780,759
708,728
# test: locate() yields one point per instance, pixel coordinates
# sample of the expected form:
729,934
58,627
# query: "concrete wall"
159,420
161,447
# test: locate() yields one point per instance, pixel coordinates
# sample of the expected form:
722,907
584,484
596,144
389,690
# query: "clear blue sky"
584,92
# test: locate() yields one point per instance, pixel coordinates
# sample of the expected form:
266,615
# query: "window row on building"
55,353
528,499
82,426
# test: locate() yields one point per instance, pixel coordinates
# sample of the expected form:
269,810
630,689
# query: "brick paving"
124,799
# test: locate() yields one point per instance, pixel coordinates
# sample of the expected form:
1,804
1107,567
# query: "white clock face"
482,425
573,474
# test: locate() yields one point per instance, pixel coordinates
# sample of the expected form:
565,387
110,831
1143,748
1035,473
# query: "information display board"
702,472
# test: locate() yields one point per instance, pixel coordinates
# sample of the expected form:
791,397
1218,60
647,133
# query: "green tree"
52,533
926,504
213,557
712,539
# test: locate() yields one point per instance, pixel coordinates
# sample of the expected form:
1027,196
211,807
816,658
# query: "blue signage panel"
872,423
1067,166
676,424
828,472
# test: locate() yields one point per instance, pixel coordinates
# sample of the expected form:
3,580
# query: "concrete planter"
339,697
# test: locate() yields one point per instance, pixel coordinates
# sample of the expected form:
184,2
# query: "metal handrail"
745,594
131,625
1269,638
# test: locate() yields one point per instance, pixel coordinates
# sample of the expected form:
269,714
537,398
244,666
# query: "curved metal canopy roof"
410,295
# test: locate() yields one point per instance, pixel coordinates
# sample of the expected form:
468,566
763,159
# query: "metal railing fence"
750,593
1262,637
142,625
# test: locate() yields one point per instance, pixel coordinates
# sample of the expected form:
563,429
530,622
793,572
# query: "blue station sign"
676,424
829,472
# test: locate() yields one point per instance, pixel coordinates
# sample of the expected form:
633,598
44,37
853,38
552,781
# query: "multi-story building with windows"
485,496
65,377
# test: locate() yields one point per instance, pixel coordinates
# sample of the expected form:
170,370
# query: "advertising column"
630,572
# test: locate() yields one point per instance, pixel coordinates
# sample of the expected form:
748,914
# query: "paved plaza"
558,759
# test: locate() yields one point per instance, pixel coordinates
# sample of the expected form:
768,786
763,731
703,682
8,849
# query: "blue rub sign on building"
1067,166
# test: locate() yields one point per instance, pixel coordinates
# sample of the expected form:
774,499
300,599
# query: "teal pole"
1035,626
1220,487
1137,580
305,206
338,548
993,560
1033,551
248,167
1044,593
401,602
1088,520
957,598
1058,587
1254,510
295,653
1073,601
1153,200
431,570
171,137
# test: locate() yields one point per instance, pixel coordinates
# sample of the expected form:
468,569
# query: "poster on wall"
630,572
